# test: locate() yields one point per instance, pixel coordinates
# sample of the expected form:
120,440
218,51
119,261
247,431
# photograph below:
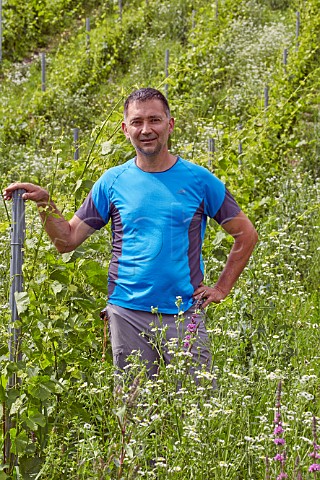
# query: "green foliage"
30,25
67,418
277,4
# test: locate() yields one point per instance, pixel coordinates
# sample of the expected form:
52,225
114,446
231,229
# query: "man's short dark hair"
145,94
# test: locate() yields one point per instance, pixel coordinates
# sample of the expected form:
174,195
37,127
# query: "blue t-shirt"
158,224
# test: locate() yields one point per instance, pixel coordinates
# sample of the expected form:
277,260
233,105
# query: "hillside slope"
242,76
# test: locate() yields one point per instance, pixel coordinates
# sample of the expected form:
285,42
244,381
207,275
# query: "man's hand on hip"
209,294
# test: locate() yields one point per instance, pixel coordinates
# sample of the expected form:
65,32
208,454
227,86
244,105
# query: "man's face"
147,127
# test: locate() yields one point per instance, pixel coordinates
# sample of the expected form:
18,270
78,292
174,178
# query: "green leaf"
120,413
106,148
19,443
218,238
30,466
17,404
22,301
3,383
57,287
129,450
60,276
66,257
38,418
83,184
46,359
30,424
4,226
41,391
2,394
96,275
43,387
72,256
12,394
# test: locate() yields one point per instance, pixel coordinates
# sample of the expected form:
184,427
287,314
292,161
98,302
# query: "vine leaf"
22,301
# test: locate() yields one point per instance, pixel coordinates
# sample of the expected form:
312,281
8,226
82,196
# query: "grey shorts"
130,330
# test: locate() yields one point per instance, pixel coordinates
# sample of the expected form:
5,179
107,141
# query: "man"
158,204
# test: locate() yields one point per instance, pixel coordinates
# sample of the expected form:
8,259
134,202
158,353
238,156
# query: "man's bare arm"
65,235
245,237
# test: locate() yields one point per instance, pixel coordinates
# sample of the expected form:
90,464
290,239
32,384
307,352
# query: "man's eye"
155,120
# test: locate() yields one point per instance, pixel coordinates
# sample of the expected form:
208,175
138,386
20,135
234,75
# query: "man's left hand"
209,294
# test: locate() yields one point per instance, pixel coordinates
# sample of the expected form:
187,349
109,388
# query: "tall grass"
72,420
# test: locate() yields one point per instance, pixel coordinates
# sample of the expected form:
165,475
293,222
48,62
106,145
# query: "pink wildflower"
282,475
192,327
315,467
278,429
314,455
279,458
279,441
277,417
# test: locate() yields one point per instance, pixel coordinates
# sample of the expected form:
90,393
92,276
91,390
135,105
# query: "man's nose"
146,128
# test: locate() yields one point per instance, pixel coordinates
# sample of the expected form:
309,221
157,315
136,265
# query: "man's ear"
125,130
171,125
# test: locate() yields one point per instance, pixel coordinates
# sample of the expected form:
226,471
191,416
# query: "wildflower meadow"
242,78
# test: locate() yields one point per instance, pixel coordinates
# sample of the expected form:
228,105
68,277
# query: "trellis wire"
43,71
217,8
76,143
16,277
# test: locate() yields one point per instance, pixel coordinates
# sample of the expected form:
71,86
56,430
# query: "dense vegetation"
228,82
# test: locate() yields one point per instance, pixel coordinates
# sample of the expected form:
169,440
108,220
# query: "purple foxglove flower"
315,467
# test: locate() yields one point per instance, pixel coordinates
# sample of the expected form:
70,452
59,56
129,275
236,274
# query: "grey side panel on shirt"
228,210
89,214
117,236
194,250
